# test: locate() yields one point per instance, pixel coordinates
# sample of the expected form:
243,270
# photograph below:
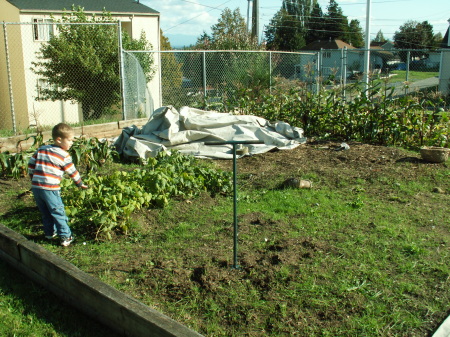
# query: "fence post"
319,70
344,72
204,73
121,70
408,56
8,70
270,72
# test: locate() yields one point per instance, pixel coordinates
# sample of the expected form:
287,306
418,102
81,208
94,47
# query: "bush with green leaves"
88,154
81,62
107,205
91,153
373,116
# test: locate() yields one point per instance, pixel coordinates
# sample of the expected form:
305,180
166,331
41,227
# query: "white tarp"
188,130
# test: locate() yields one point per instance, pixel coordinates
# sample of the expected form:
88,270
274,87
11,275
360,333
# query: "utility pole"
255,19
248,15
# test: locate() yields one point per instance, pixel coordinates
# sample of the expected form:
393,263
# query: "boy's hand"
83,186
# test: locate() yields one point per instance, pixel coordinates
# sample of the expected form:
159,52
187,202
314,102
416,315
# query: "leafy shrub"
373,116
106,207
91,153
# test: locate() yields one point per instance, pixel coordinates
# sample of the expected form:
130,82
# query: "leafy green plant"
107,206
91,153
373,116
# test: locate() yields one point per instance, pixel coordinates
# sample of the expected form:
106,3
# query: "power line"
212,8
196,3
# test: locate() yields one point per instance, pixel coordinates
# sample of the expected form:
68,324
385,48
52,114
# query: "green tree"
355,35
336,23
299,9
415,36
229,33
171,75
379,37
203,42
284,33
438,40
300,22
81,62
288,29
316,25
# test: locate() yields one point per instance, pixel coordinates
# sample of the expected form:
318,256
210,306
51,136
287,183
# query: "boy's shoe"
48,237
66,241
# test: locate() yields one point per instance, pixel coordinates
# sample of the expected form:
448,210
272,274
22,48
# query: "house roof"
376,44
446,40
113,6
327,44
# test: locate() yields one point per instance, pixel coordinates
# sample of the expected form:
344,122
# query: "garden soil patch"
158,279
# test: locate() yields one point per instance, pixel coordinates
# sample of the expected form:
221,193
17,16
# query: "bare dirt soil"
327,165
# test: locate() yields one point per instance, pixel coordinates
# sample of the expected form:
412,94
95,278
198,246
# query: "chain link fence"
44,88
119,89
208,79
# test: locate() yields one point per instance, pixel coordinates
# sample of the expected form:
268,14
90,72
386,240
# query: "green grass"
27,309
413,76
363,253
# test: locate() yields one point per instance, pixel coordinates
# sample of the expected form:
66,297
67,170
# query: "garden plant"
363,252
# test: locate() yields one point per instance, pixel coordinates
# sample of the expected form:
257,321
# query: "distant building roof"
446,40
377,44
113,6
327,44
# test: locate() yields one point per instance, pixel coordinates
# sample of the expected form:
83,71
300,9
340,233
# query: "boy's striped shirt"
48,165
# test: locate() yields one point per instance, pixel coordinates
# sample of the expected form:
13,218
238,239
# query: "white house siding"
333,63
22,49
150,25
444,74
42,112
8,13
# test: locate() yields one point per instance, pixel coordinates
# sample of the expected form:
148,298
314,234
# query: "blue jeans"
53,214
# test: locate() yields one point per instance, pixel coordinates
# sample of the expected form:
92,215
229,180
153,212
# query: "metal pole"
249,21
408,57
8,69
270,72
367,46
235,220
255,20
204,75
122,72
318,70
344,72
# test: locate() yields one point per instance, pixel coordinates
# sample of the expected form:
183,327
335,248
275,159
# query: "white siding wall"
444,75
42,112
48,112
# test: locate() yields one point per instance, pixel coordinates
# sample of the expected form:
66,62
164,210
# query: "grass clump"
363,252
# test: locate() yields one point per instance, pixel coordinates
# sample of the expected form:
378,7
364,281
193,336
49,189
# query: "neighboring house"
387,45
432,61
386,52
23,41
444,71
335,58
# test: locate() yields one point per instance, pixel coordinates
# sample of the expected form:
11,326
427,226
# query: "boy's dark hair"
61,130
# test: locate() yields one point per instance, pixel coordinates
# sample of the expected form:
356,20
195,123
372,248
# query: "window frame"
42,29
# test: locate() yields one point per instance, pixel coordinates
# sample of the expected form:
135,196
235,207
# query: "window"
41,85
327,54
42,29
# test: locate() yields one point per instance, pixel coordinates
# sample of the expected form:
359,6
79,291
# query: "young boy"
46,168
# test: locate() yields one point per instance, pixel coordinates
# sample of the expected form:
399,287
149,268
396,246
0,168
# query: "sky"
183,21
